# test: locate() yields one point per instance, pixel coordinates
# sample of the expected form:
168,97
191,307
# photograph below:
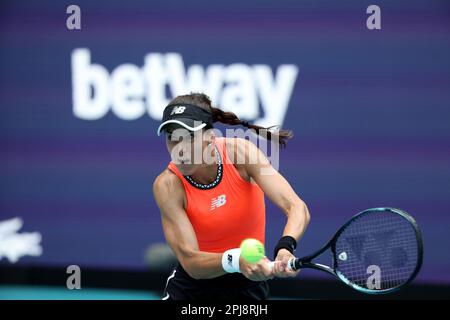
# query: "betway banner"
131,91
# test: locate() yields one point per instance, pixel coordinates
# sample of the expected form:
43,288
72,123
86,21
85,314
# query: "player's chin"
186,169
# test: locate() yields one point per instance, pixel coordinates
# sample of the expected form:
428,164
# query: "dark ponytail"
231,119
203,101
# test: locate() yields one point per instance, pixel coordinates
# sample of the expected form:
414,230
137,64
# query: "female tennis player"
208,207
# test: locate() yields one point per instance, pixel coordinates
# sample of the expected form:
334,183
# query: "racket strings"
378,244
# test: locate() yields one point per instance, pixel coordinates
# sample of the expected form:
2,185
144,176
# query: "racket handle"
291,264
294,264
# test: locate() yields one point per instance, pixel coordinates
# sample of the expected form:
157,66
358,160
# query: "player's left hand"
280,268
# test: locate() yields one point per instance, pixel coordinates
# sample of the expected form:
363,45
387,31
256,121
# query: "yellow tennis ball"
252,250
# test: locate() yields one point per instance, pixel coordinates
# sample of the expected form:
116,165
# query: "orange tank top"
227,212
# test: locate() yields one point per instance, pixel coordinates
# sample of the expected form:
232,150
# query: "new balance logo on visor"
178,110
218,202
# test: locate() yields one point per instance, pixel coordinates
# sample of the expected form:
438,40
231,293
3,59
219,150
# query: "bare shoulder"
168,187
239,149
244,152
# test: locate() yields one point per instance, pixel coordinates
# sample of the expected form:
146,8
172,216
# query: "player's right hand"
259,271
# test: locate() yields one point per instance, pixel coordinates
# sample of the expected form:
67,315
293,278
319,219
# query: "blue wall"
369,108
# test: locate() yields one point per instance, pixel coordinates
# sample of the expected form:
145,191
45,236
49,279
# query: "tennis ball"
252,250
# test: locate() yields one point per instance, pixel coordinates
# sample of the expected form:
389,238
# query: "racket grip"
291,264
295,264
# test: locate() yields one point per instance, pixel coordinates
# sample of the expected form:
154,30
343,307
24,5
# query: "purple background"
370,110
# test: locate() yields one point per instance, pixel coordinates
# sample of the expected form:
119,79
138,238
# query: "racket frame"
306,262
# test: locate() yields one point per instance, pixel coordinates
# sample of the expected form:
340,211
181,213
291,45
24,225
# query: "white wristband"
230,260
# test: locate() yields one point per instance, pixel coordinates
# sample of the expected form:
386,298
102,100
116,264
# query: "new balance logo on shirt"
218,202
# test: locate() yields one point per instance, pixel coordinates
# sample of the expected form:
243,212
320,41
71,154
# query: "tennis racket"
377,251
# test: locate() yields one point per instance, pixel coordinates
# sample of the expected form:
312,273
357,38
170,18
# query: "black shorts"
229,287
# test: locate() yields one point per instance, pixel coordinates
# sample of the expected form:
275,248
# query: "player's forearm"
203,265
298,220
